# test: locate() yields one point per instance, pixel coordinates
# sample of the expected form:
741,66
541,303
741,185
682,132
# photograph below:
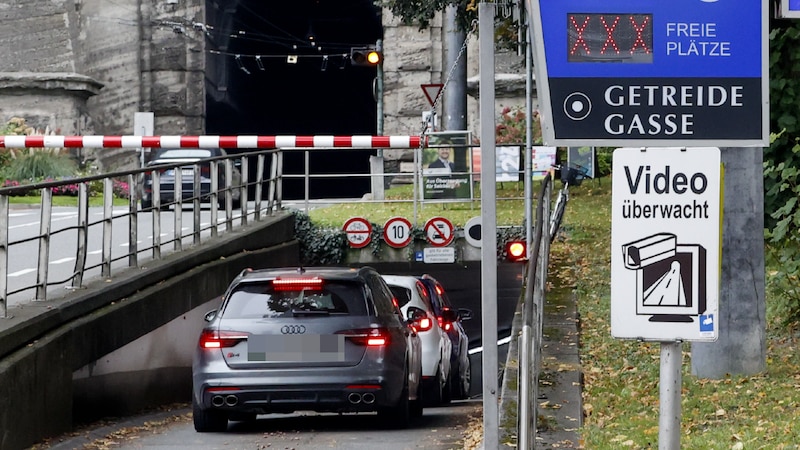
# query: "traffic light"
516,251
365,56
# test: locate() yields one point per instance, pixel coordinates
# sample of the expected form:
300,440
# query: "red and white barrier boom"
210,141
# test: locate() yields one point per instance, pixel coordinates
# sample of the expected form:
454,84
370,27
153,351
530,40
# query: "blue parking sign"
652,73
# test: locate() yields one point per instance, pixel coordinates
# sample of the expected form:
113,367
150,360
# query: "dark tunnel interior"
283,68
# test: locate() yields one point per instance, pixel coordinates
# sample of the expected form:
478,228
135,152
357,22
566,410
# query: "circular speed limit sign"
397,232
358,231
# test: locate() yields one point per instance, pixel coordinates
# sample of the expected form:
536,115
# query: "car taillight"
214,389
370,337
424,324
221,339
297,284
443,324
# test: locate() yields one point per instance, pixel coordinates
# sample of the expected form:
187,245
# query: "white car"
411,295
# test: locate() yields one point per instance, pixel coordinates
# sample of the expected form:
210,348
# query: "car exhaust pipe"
368,398
217,400
231,400
354,398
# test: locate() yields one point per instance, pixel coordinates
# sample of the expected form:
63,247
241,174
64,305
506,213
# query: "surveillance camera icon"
577,106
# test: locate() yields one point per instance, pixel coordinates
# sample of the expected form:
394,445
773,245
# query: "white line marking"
500,342
21,272
62,260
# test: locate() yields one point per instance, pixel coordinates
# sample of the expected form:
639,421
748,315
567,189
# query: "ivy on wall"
782,174
320,246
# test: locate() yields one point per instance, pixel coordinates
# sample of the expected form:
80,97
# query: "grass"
509,208
62,200
621,392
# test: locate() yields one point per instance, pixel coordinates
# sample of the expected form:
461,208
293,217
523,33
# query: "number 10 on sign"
397,232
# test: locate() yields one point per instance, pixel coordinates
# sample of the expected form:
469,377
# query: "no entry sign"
652,73
358,231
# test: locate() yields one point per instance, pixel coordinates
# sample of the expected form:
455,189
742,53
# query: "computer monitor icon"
670,277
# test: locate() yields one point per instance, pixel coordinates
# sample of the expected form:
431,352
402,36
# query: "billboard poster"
447,166
543,159
507,163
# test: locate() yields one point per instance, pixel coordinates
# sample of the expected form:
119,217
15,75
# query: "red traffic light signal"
365,56
516,251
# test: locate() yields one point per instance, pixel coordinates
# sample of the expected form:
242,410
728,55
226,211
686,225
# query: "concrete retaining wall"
44,345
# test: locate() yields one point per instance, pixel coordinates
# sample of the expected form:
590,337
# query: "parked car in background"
450,319
193,157
412,297
313,339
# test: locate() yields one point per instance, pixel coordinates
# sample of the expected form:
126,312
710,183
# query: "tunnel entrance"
283,68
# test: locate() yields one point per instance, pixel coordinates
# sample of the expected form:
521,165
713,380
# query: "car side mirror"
450,316
210,315
415,314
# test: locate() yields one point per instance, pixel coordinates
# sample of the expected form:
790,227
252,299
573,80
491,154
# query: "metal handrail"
532,320
273,176
83,227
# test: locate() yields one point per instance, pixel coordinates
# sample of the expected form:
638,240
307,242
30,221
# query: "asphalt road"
442,427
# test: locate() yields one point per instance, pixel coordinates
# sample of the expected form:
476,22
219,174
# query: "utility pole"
455,96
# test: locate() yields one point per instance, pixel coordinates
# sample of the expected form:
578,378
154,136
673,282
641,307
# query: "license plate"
296,348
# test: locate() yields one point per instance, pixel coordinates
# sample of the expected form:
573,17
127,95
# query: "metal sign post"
665,255
491,394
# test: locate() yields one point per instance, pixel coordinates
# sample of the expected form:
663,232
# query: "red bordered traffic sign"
397,232
359,232
439,231
432,91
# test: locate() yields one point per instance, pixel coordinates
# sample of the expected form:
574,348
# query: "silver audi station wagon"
313,339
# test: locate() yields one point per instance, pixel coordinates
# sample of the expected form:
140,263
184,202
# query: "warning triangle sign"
432,91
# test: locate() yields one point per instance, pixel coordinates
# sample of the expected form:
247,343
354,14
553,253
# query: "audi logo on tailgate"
293,329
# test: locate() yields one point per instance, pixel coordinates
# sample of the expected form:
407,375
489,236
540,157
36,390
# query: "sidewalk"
560,381
560,414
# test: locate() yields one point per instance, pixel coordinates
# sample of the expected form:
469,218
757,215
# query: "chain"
439,96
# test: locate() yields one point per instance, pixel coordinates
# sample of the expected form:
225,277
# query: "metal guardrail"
530,346
83,227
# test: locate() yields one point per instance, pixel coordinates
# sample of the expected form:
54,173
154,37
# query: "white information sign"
665,243
439,255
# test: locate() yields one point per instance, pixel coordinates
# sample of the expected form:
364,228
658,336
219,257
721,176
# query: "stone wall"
149,55
145,54
150,58
412,57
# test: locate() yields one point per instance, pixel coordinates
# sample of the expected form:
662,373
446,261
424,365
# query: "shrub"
782,181
511,127
37,164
